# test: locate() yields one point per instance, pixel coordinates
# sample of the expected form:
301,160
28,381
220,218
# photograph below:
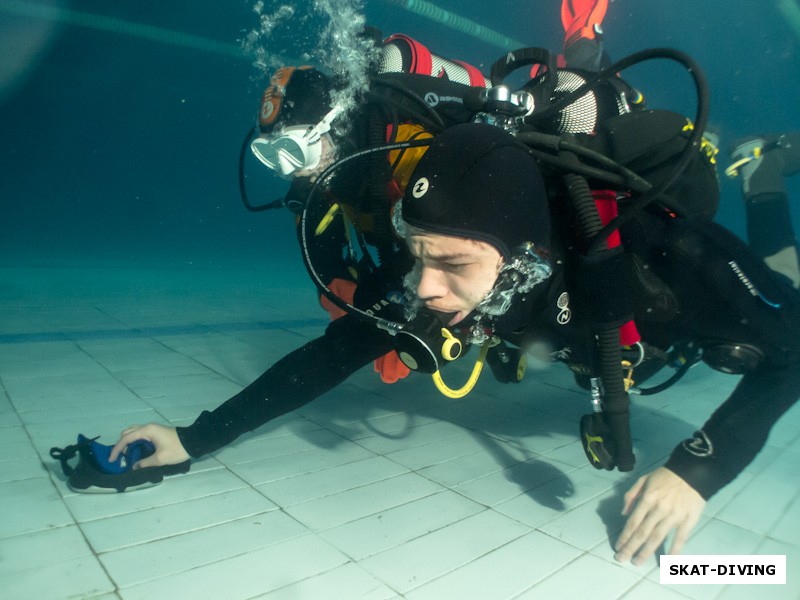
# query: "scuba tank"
402,54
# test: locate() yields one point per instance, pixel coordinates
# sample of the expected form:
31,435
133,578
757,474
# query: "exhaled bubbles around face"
517,276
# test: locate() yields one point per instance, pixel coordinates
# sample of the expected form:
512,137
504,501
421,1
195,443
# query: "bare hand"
169,450
663,502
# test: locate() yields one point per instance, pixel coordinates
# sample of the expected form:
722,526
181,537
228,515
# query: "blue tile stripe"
147,332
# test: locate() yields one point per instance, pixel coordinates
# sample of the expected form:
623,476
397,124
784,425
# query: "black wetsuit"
719,293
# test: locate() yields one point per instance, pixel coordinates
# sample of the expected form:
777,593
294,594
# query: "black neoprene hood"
307,99
477,182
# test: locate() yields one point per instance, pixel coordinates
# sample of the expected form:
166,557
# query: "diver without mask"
478,183
427,343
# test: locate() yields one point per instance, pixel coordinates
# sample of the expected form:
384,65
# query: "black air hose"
586,214
616,402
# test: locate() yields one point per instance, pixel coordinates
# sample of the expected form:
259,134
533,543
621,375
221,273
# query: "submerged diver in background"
298,142
763,163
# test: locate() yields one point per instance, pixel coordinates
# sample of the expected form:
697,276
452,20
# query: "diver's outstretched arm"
295,380
673,497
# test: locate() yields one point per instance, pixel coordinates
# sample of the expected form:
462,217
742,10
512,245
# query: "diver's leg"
763,163
583,46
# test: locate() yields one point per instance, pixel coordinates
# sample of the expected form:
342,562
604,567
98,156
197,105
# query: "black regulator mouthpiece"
426,343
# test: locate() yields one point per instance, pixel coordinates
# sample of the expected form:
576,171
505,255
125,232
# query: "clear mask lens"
295,148
289,152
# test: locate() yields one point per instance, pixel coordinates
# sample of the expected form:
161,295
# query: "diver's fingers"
632,494
129,435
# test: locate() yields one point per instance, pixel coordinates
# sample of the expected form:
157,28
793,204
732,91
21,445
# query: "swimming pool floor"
371,492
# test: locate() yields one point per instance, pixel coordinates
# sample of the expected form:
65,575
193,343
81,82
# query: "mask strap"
324,126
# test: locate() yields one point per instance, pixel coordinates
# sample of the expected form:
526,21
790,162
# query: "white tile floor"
373,491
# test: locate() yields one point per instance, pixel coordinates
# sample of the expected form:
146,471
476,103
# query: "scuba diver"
502,242
762,163
491,259
299,136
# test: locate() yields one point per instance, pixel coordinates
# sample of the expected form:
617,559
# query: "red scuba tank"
402,54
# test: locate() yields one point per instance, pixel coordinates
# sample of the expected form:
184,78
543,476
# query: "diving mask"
295,148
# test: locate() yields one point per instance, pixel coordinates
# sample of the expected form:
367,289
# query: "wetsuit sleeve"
298,378
737,430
